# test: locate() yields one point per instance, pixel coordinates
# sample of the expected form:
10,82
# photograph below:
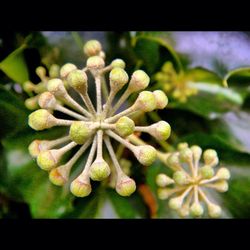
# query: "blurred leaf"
13,114
239,72
14,65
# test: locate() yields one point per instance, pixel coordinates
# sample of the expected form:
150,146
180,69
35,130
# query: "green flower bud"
163,180
118,78
66,69
58,176
80,131
77,79
173,160
196,209
31,103
56,87
41,71
139,81
180,178
184,211
95,63
47,101
161,99
214,210
125,186
182,145
54,71
36,147
164,193
145,101
160,130
125,126
221,186
197,151
99,170
223,173
118,63
207,172
41,119
92,48
146,154
81,187
209,156
175,203
186,155
48,159
28,86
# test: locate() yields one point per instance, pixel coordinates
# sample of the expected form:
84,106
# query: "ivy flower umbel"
191,180
94,126
34,90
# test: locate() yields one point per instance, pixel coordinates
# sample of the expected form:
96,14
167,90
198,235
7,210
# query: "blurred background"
193,68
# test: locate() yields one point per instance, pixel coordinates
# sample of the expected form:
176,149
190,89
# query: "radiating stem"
56,142
70,112
98,94
99,144
119,115
108,103
62,122
104,88
67,147
88,103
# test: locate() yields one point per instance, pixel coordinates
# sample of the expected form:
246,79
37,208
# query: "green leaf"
13,114
14,65
243,72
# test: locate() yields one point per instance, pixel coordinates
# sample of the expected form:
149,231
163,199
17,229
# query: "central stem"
98,94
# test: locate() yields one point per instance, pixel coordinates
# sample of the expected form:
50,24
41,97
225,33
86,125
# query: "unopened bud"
66,69
118,63
92,48
59,176
146,154
145,101
160,130
197,151
214,210
41,71
221,186
173,160
56,87
28,86
99,170
37,146
209,156
48,159
180,178
125,126
182,145
139,81
54,71
206,172
95,63
47,100
196,209
162,180
118,78
77,79
125,186
175,203
161,99
164,193
186,155
81,187
31,103
223,173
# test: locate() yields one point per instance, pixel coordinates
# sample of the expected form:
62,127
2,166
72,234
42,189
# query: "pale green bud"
118,78
41,71
81,187
184,211
146,154
214,210
48,159
28,86
118,63
145,101
56,87
175,203
160,130
99,170
164,193
66,69
37,146
162,180
206,172
95,63
196,209
197,151
125,186
161,99
31,103
54,71
182,145
181,178
47,100
59,176
41,119
92,48
186,155
80,131
77,79
223,173
125,126
221,186
209,156
173,160
139,81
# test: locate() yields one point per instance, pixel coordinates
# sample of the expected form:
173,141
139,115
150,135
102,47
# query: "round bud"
77,79
95,63
125,126
162,180
99,170
47,101
80,131
31,103
197,151
145,101
54,71
125,186
139,81
223,173
40,87
161,99
160,130
180,178
47,160
118,78
28,86
66,69
41,71
118,63
186,155
221,186
196,210
209,156
175,203
183,211
164,193
37,146
58,176
206,172
92,48
214,210
146,154
173,160
41,119
56,87
80,187
182,145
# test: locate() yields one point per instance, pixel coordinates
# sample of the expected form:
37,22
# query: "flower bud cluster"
91,125
188,188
